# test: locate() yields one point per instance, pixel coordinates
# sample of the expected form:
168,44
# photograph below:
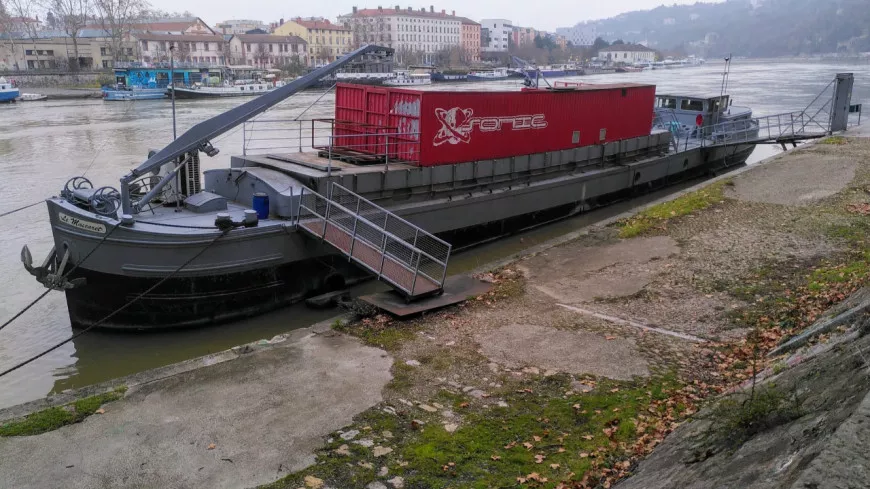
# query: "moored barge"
402,170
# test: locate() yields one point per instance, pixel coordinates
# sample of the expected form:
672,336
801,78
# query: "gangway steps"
400,254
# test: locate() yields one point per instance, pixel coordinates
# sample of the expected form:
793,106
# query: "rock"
439,406
383,472
550,373
493,367
329,299
447,414
578,386
451,427
376,485
313,482
450,343
349,435
502,404
397,482
455,385
366,465
380,451
387,434
532,370
412,363
406,402
428,408
477,394
365,443
467,389
343,450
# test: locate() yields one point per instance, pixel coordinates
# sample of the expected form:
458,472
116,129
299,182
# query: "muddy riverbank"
586,354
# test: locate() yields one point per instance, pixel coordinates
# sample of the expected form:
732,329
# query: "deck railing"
335,139
409,258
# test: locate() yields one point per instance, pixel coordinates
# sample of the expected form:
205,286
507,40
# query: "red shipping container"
436,128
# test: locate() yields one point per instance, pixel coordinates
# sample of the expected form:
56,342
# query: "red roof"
373,12
320,24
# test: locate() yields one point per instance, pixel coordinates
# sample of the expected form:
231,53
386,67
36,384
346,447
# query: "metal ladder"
409,259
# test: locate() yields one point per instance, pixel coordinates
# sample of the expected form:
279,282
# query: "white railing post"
300,136
416,273
353,238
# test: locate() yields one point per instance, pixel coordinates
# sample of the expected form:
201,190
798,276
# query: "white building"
421,33
580,34
266,50
627,53
239,26
499,32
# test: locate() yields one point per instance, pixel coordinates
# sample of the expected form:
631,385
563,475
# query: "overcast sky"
540,14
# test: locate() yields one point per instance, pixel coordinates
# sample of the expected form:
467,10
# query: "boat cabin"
687,108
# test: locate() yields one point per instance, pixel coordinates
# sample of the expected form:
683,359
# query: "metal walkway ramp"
399,253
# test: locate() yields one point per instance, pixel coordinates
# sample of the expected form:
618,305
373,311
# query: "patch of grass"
738,418
658,215
381,332
834,140
56,417
540,431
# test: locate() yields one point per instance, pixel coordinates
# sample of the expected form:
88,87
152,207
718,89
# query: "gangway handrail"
411,264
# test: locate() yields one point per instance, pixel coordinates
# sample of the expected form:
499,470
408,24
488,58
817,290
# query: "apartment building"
499,34
470,38
267,51
326,41
419,33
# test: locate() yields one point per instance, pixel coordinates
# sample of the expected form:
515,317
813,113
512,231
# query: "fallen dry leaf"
495,457
100,411
588,437
536,438
539,458
609,338
510,445
528,445
554,466
584,455
211,446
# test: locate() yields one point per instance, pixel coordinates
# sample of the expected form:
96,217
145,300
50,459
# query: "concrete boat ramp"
240,418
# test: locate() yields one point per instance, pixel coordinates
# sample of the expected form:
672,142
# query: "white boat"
8,93
496,74
404,79
32,97
239,90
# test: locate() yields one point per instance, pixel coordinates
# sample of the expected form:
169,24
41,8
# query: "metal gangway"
831,111
409,259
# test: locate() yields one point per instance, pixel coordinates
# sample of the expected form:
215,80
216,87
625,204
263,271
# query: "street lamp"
172,85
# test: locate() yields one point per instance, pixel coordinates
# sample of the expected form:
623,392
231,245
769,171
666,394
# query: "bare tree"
7,26
261,55
25,11
116,18
71,16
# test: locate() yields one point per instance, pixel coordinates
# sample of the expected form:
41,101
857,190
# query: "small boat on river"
489,75
126,94
388,185
8,93
32,97
404,79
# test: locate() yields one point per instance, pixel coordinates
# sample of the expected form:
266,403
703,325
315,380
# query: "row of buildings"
423,36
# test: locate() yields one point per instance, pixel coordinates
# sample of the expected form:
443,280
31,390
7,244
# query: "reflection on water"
43,144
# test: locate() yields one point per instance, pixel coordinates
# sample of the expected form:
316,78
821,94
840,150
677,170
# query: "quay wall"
90,79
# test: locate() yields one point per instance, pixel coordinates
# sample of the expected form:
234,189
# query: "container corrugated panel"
457,127
350,107
468,126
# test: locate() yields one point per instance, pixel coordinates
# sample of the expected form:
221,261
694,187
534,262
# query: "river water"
42,144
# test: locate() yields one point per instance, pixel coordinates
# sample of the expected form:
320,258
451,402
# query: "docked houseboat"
489,75
394,177
8,93
439,76
246,89
556,71
126,94
405,79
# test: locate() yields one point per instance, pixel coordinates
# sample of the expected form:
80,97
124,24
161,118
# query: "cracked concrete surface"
265,412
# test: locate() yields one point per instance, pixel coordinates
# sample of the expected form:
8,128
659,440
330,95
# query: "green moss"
834,140
658,215
388,336
487,450
56,417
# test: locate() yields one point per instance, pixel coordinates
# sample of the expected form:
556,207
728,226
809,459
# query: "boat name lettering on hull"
75,222
457,125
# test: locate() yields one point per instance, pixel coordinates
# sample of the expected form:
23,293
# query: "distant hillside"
748,27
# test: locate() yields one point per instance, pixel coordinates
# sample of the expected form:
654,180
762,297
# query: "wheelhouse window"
692,105
667,103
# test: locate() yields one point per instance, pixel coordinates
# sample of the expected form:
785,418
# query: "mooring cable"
116,311
65,275
28,206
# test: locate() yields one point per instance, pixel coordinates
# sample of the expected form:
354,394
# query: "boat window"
693,105
668,103
714,105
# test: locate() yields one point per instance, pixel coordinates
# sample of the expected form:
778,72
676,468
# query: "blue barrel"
261,205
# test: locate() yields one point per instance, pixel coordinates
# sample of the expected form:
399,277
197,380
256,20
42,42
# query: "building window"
205,46
29,52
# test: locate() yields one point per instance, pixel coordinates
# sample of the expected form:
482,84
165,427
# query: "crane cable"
116,311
